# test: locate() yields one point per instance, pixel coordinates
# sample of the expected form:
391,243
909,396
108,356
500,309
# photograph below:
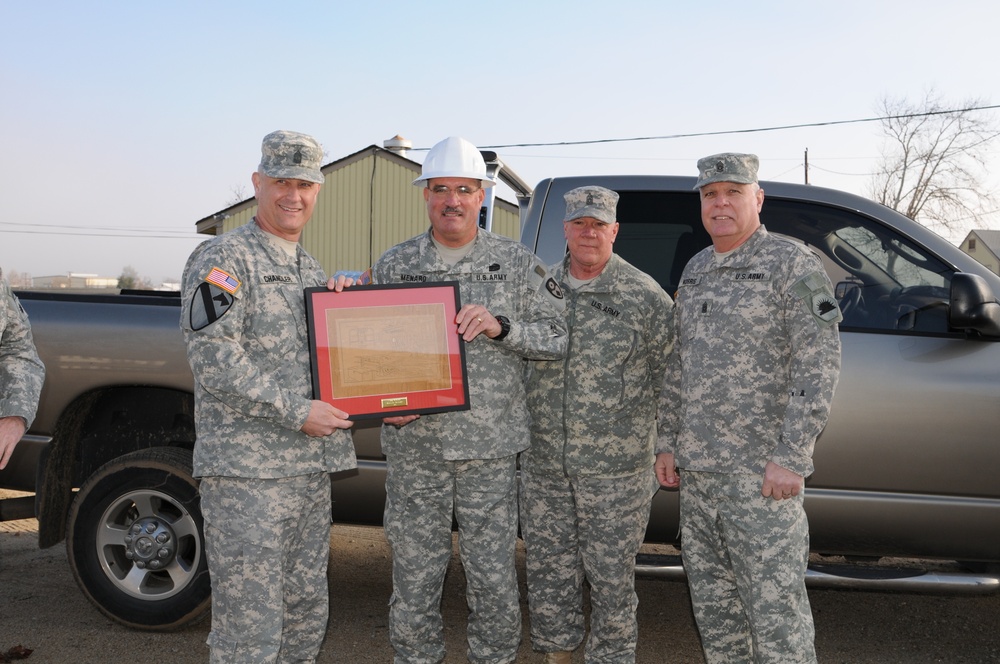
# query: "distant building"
984,246
74,281
367,204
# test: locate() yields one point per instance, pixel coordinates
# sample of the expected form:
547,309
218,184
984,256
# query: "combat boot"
560,657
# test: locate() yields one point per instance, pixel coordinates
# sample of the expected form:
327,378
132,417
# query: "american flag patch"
223,280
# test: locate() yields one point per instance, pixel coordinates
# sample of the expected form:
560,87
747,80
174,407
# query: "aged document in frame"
404,351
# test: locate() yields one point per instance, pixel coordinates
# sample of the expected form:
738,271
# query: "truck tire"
135,540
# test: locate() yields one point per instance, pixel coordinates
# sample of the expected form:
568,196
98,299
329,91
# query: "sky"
124,123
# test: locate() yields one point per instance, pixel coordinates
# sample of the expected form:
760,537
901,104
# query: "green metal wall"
367,205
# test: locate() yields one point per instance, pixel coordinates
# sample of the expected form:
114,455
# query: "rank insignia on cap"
223,280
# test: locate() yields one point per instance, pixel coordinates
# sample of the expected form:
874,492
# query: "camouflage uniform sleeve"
811,317
660,336
539,332
220,360
668,413
379,271
21,371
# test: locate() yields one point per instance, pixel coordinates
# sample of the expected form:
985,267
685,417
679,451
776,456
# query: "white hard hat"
454,157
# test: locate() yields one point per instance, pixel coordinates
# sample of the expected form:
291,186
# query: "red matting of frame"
387,350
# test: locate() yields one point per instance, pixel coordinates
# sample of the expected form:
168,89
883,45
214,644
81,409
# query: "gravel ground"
42,609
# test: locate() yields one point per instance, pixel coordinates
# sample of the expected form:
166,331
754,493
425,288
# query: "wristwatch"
504,327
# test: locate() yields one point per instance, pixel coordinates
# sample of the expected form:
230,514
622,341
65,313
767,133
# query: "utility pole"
807,166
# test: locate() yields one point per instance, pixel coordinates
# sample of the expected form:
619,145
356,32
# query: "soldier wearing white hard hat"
461,465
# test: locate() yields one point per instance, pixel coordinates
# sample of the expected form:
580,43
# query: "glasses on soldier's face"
463,191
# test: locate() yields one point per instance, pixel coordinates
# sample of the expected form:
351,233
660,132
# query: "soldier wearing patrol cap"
21,373
587,481
748,391
461,465
264,447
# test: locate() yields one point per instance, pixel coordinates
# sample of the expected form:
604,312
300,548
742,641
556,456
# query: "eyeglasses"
462,191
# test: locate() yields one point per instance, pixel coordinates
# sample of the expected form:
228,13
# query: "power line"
139,232
62,233
827,170
739,131
133,229
783,173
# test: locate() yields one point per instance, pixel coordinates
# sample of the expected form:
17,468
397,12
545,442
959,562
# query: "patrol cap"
289,154
727,167
591,201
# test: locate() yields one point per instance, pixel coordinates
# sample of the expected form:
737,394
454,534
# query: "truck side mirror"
973,305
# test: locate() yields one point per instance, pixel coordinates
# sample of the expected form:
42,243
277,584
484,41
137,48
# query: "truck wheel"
135,541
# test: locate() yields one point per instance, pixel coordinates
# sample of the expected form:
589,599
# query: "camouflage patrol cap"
727,167
592,201
289,154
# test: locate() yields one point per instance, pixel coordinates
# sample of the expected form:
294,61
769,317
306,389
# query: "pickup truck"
906,467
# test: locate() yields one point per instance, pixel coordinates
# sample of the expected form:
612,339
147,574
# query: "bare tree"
239,194
933,165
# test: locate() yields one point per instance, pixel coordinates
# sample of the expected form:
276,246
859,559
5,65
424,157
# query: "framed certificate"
386,350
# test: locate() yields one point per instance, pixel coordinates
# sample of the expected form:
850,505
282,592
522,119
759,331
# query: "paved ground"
42,609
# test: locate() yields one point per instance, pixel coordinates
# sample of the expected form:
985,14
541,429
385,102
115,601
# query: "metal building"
367,204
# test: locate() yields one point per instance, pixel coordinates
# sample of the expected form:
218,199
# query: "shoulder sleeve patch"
209,303
825,308
540,277
553,288
814,290
223,280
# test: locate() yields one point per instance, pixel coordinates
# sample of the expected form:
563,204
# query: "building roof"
990,238
204,224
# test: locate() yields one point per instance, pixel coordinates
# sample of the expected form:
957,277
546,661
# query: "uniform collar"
430,257
602,283
743,255
274,252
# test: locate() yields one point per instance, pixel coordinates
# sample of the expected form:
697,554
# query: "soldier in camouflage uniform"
587,481
462,463
754,370
265,448
21,373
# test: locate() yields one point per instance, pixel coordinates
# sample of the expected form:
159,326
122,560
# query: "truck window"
659,232
883,281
